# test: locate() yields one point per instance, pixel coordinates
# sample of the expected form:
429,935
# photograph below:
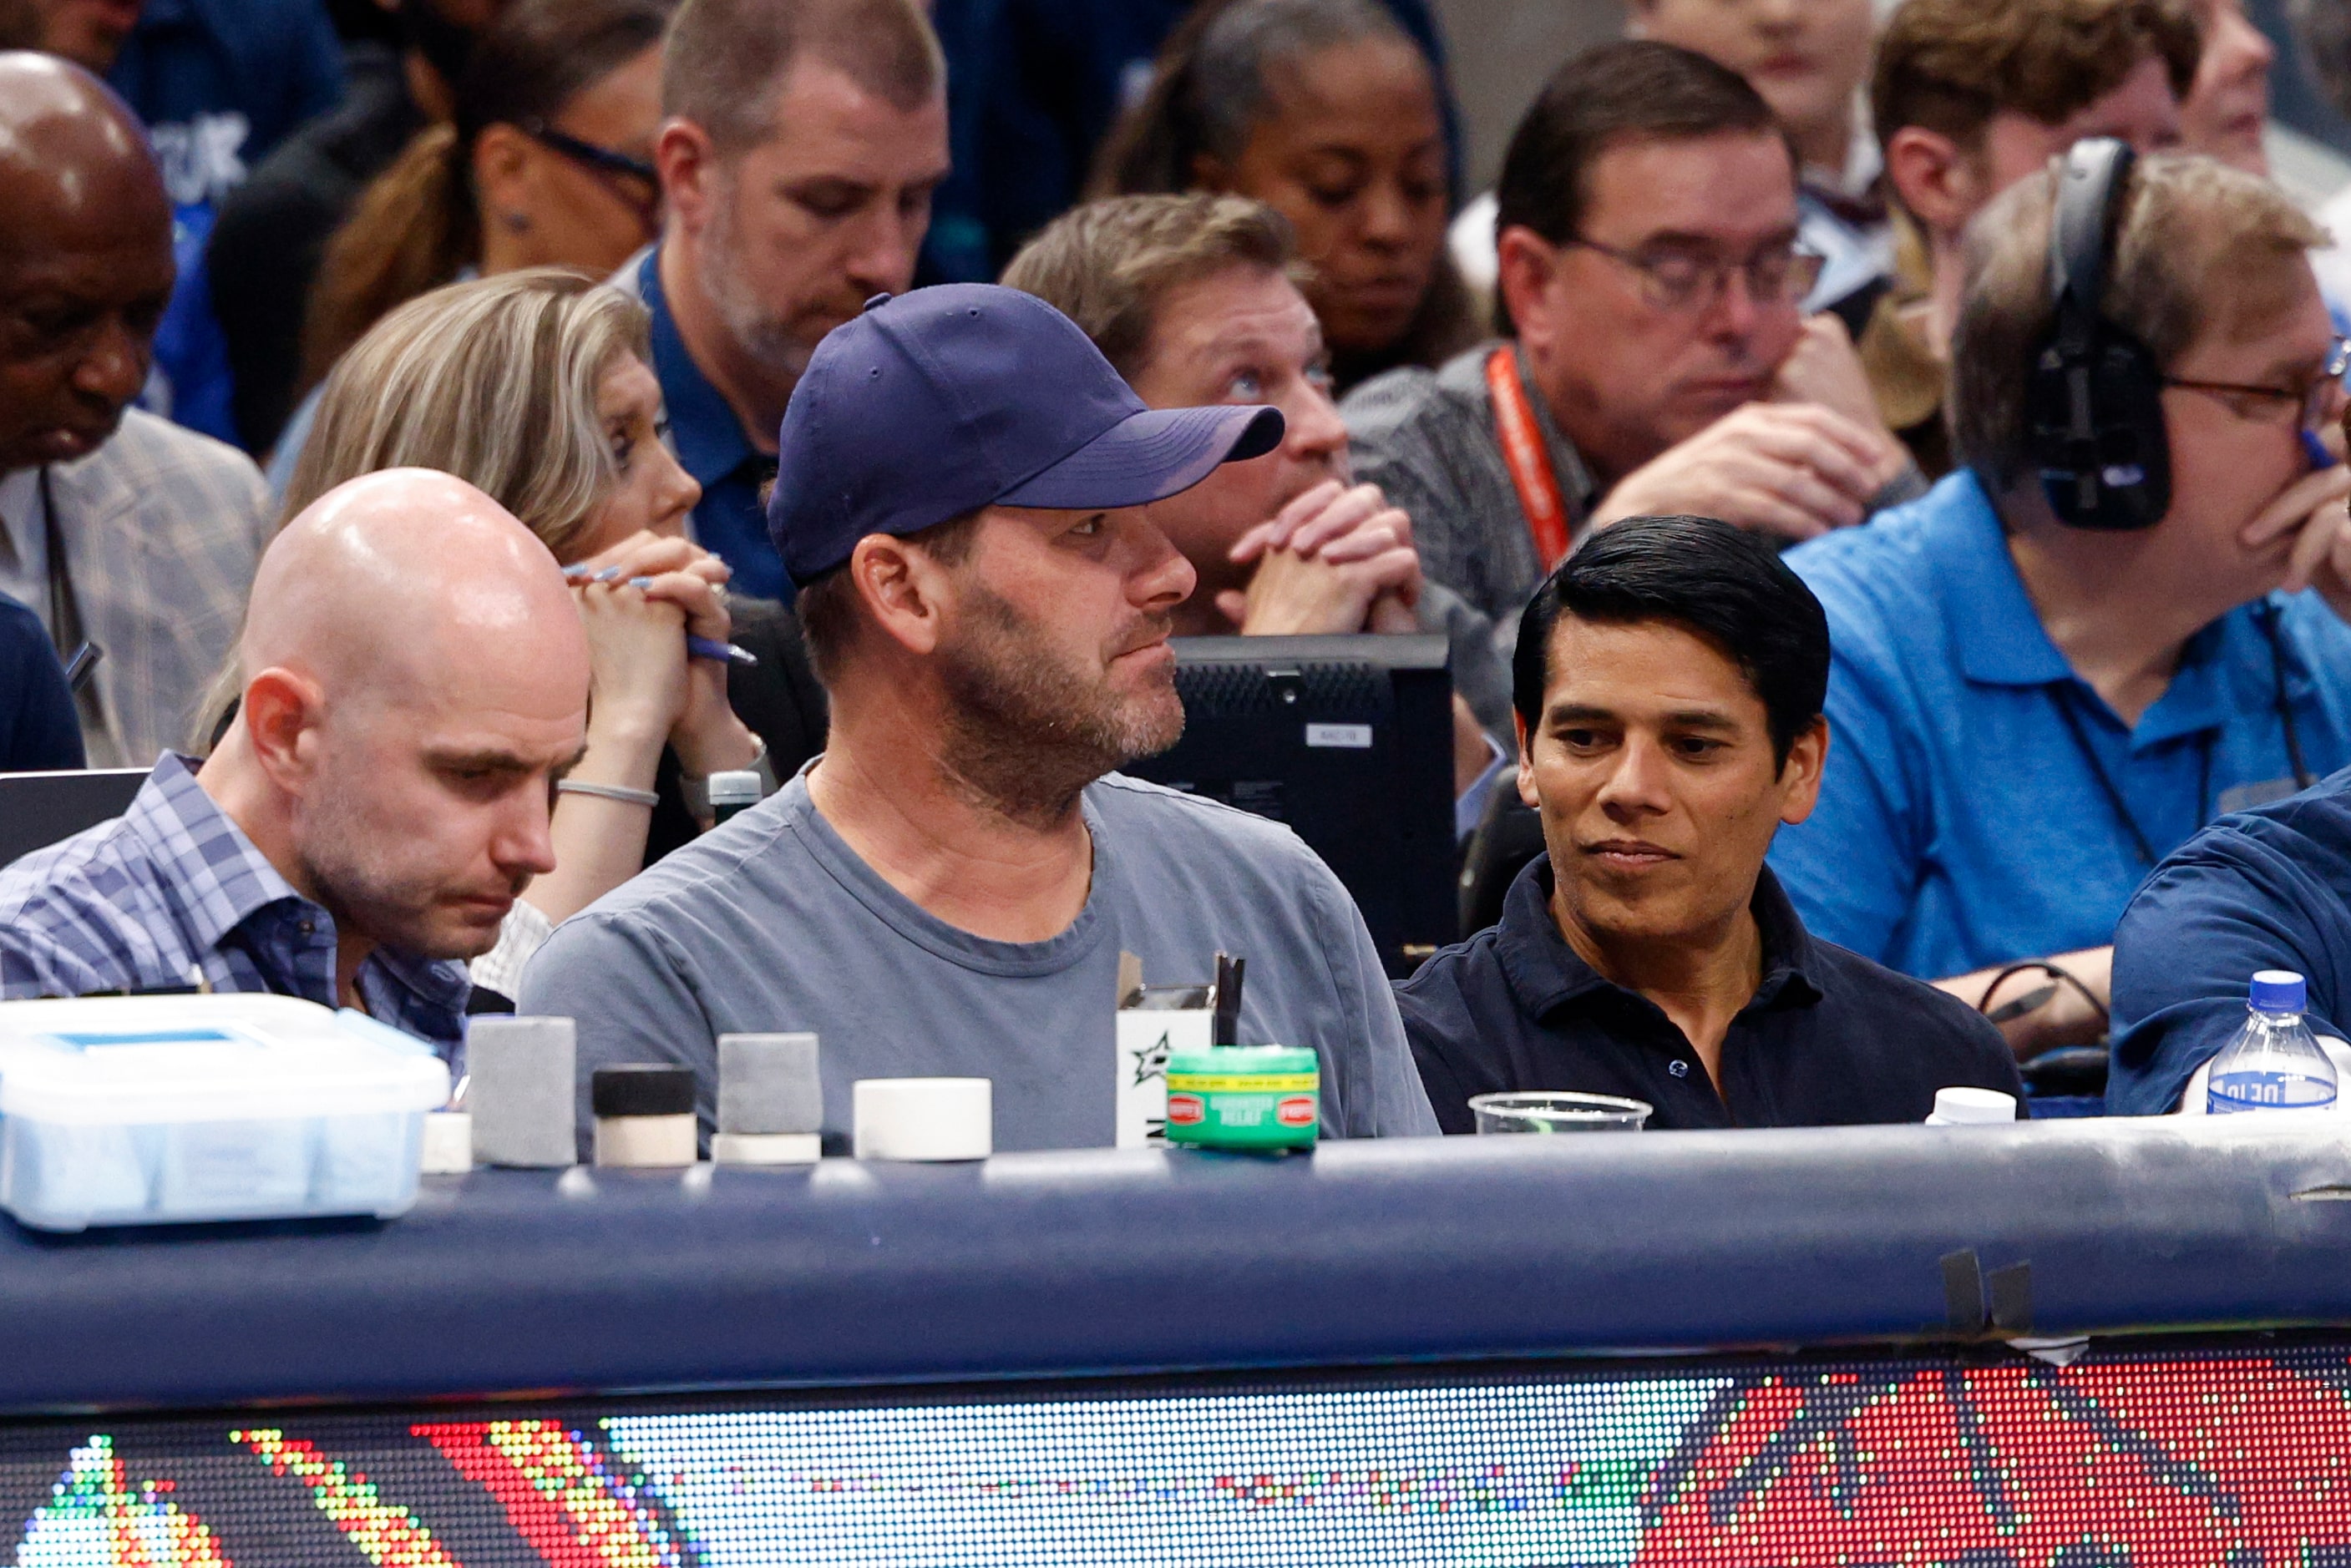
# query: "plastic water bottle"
2273,1065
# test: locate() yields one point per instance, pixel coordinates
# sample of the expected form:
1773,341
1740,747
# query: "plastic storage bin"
145,1110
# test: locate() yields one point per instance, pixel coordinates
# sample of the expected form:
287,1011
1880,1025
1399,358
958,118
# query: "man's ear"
1526,762
1936,179
280,710
1800,775
1209,173
905,589
690,171
1525,263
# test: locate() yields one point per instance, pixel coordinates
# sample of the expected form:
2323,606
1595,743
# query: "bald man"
133,540
415,682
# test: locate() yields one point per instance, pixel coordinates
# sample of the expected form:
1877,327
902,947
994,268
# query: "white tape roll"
923,1119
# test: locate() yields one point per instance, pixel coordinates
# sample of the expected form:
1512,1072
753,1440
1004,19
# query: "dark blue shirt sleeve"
39,728
2226,905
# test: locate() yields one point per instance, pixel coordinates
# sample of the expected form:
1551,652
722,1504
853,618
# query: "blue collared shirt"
1962,822
731,521
172,889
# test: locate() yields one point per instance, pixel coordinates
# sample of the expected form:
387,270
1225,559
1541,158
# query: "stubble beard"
761,334
1026,732
365,894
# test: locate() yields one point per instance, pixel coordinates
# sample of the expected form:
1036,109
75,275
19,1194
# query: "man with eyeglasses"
1656,358
2029,715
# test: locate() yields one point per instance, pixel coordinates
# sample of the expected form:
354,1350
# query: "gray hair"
492,380
1211,84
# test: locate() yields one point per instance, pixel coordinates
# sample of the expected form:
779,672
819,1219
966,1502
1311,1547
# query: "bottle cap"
642,1089
1958,1107
2280,991
739,787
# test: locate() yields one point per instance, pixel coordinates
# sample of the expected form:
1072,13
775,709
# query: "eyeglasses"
2313,403
1683,280
603,160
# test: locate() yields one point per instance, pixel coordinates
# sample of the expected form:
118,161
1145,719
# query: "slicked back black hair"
1706,576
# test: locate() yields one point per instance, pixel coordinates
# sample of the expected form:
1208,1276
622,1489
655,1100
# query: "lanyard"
2107,787
1528,459
2265,616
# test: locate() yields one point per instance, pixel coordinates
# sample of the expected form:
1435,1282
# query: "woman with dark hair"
546,162
1328,112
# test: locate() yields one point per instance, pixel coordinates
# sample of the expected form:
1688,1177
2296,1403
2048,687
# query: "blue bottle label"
2232,1092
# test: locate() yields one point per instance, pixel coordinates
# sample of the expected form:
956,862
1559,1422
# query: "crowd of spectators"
1877,471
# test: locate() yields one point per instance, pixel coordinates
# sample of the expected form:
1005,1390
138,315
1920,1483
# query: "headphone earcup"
2119,478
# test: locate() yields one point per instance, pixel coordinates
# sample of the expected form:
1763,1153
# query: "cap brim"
1150,456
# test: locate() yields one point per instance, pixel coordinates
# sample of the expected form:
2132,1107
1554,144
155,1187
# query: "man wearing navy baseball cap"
962,500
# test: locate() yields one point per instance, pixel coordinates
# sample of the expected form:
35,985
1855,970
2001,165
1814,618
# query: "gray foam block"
522,1073
767,1084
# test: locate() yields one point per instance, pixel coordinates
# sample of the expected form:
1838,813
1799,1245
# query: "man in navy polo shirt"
2268,888
2030,715
1668,680
803,140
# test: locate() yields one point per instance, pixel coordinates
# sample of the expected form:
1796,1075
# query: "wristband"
620,793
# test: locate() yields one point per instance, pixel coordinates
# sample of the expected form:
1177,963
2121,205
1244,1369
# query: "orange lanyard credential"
1529,460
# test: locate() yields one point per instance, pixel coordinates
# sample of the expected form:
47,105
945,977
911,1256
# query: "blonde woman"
535,387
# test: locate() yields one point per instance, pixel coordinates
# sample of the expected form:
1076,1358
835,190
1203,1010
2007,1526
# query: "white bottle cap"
1961,1106
738,786
923,1119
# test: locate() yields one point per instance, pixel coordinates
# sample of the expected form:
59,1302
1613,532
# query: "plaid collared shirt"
172,889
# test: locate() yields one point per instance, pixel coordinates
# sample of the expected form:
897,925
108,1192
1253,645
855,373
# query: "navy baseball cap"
947,400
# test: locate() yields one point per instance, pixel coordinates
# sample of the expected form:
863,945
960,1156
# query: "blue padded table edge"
1106,1263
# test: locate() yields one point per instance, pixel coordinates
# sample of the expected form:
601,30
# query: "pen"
724,652
695,646
2319,456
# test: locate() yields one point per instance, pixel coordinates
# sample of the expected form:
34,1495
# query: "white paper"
1146,1036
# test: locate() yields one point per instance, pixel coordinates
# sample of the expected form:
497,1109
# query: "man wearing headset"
2118,619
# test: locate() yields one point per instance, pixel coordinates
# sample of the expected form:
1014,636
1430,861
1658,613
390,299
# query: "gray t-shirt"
772,922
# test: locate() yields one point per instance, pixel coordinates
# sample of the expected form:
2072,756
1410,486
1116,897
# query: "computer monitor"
38,809
1349,741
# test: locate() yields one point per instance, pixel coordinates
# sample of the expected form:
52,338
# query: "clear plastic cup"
1549,1111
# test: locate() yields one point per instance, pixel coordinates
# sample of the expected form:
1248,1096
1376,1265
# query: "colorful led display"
2148,1456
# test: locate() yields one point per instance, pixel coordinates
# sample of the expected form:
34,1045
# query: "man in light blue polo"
2027,714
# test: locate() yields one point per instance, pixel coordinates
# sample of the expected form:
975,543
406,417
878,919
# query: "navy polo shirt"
731,519
1962,821
1829,1037
2266,888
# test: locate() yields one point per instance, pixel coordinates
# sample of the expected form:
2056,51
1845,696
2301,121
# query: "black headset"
2093,411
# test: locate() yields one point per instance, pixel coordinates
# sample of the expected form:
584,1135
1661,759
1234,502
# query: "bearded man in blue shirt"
2121,618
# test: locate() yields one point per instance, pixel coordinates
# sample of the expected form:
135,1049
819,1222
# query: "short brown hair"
724,60
2199,247
1631,90
827,606
1107,265
1948,66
